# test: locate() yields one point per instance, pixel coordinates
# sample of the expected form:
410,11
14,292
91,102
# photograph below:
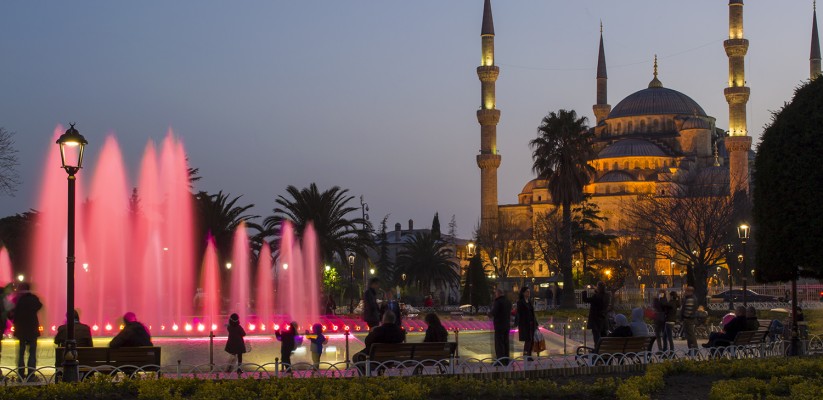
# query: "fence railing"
511,367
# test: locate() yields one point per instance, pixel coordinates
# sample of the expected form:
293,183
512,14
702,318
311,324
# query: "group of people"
525,320
21,306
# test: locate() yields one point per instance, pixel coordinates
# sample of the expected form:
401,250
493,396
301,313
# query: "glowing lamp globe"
72,144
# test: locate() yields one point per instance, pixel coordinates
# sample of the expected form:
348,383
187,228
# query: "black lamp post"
729,248
72,144
351,275
743,233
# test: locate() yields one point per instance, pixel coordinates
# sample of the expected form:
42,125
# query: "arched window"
656,125
642,126
619,128
629,128
615,166
625,165
646,164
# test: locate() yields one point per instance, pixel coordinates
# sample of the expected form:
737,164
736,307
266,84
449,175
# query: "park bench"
383,356
637,348
105,359
749,342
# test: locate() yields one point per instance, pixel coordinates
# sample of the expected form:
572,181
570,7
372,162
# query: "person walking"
134,334
598,306
82,333
435,332
501,315
371,310
236,344
688,314
661,307
288,342
671,317
526,321
26,328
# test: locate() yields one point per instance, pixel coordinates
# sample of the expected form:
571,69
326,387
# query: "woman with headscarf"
621,327
526,321
236,345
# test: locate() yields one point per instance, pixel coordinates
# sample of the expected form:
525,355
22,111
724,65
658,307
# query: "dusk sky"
375,96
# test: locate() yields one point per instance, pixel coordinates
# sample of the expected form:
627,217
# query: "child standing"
236,345
287,344
317,343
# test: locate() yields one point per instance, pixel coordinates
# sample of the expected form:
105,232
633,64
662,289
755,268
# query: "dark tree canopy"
788,187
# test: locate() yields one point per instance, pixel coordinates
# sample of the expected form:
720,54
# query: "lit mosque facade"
648,140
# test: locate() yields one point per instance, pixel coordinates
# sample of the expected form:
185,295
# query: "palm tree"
561,153
220,216
426,261
328,212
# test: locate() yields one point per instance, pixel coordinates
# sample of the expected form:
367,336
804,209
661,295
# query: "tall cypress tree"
788,217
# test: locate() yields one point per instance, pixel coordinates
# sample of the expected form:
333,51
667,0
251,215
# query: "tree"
503,243
689,223
560,154
15,233
453,229
220,216
547,237
8,163
788,218
436,226
476,290
427,262
586,230
384,264
328,211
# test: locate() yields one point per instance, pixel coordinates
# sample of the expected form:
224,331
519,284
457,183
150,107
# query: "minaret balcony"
736,47
488,73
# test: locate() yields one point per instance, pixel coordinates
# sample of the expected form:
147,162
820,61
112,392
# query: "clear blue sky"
372,95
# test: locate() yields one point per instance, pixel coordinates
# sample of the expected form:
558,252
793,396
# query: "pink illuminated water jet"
240,273
5,267
298,276
264,304
210,300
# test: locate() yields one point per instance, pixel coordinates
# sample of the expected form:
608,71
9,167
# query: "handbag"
539,342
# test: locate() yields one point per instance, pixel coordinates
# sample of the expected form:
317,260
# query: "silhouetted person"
330,305
501,314
621,327
26,327
388,332
134,334
526,321
371,310
288,342
82,333
599,303
730,329
235,344
435,332
391,304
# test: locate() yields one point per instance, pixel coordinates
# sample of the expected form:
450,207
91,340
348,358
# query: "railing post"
346,334
211,351
178,368
277,367
457,341
368,366
564,339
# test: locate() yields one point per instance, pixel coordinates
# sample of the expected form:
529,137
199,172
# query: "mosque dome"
631,148
533,184
695,123
616,176
656,100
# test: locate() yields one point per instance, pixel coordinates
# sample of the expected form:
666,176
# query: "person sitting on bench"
730,329
387,332
621,327
82,333
134,334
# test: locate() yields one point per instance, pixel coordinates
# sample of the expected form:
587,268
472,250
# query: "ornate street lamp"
72,144
743,233
351,276
470,249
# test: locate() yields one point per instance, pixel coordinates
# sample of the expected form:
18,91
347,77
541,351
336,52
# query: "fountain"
298,282
5,267
240,273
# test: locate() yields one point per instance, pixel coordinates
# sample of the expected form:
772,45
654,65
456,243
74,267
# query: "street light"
72,144
364,207
743,233
351,276
470,249
729,248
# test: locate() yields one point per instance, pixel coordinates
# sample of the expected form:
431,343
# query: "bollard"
584,338
211,351
178,368
368,366
277,367
564,340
